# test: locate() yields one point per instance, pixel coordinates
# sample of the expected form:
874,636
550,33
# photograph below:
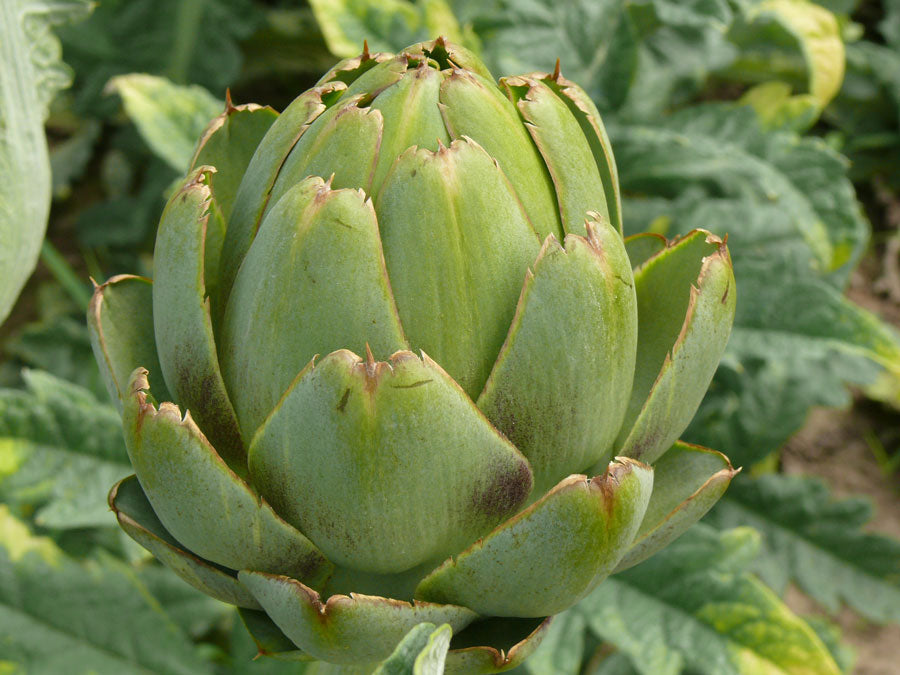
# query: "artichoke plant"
423,377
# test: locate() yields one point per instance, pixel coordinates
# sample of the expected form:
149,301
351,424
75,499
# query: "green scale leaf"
560,385
688,481
485,646
474,107
412,118
457,244
253,193
137,519
182,319
565,149
385,465
120,322
345,629
341,146
551,554
686,302
313,282
228,144
181,474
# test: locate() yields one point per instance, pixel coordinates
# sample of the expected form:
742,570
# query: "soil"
841,446
833,445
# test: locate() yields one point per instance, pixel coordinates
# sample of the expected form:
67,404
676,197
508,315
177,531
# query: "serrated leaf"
387,25
795,230
632,56
169,117
719,150
693,604
818,542
57,615
31,73
60,450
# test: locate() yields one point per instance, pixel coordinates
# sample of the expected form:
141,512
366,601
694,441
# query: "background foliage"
774,121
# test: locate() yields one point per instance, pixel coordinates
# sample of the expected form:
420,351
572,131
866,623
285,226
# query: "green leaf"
31,74
58,343
169,117
60,450
387,25
69,159
719,150
421,652
57,615
694,605
636,56
818,542
562,647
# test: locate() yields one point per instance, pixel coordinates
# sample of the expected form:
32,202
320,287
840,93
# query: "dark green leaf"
60,451
791,216
186,41
59,616
817,541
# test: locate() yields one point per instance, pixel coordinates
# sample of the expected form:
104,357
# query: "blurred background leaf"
31,73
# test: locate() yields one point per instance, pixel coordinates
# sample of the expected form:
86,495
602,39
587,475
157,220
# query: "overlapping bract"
408,332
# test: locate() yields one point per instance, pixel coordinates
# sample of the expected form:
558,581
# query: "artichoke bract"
397,364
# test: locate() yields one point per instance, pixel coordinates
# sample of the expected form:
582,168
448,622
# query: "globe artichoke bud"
423,377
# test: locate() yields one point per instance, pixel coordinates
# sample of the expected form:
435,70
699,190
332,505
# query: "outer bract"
427,380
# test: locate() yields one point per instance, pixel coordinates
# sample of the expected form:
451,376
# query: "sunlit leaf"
693,604
387,25
818,542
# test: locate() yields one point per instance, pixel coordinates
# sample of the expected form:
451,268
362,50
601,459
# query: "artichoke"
424,378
